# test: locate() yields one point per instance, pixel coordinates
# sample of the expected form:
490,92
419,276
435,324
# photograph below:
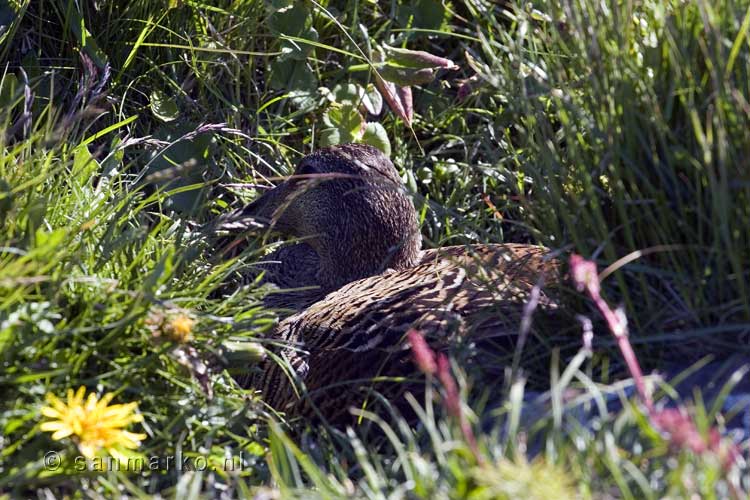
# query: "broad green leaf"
329,137
299,50
355,95
347,120
347,94
84,165
163,107
289,74
85,40
294,20
373,100
50,239
375,135
424,14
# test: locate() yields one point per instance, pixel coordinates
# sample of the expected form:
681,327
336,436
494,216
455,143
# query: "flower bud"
417,58
404,76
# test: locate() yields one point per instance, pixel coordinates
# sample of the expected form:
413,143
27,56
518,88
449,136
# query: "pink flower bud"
585,275
424,357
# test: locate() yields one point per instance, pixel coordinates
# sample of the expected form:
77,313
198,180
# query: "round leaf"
343,124
163,107
373,100
347,93
375,135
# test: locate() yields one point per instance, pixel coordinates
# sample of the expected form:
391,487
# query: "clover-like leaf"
163,107
373,100
289,74
293,20
426,14
343,124
347,94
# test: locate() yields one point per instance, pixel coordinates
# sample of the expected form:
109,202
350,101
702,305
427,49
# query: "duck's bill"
262,213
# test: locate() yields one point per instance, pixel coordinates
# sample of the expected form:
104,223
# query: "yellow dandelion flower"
92,423
179,328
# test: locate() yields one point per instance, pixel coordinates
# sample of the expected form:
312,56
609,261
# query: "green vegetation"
601,128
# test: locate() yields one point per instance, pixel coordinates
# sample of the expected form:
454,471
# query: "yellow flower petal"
134,437
53,426
108,397
51,412
62,433
55,402
91,403
76,400
87,450
94,423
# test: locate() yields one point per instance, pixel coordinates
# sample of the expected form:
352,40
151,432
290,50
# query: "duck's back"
338,344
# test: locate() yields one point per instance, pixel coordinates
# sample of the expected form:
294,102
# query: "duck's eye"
306,169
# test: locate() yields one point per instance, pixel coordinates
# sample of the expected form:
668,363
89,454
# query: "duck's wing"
358,332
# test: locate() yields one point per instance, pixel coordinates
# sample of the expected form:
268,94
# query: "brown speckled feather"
357,332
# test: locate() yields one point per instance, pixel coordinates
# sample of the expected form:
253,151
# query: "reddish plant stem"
432,364
585,277
676,423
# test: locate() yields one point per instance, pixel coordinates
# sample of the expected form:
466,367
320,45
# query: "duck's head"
348,204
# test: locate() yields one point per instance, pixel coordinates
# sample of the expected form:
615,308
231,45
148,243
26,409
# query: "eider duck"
360,281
